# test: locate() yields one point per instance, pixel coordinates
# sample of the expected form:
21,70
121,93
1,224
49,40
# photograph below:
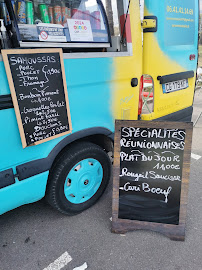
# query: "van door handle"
134,82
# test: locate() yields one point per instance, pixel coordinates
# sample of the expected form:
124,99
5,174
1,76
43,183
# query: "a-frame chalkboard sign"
39,92
151,176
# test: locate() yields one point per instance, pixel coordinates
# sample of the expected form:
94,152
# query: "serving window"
73,24
43,22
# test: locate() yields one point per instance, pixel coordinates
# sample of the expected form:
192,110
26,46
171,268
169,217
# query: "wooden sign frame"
174,232
5,54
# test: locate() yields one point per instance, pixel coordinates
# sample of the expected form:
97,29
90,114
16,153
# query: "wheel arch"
98,135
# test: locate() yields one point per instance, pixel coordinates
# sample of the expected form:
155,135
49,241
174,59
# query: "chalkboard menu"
39,92
149,184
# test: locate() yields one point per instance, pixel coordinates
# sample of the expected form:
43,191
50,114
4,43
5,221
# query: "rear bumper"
184,115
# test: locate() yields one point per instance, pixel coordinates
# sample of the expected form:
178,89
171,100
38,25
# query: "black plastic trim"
134,82
184,115
7,178
176,77
6,102
151,30
111,136
35,167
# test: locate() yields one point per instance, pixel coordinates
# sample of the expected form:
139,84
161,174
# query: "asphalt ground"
34,236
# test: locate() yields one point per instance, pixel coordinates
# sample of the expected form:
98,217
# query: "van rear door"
170,54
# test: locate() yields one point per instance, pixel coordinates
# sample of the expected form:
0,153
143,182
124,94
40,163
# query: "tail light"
192,57
146,95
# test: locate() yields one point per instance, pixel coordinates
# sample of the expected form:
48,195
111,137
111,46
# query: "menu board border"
5,54
174,232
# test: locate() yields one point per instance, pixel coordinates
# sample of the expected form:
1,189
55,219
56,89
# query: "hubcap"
83,181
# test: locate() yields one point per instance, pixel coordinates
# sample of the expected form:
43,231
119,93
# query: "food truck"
122,60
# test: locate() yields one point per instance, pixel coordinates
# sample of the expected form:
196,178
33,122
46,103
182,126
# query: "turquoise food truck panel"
88,90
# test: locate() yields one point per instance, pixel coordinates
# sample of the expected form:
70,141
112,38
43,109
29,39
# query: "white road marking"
59,263
82,267
197,157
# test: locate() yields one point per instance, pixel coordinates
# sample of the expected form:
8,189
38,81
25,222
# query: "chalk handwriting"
145,187
148,175
40,95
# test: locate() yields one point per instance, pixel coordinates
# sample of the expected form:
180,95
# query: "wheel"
78,178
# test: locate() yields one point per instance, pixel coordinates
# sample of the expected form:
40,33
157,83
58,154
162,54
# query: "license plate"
175,86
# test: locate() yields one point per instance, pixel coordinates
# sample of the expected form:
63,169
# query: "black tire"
55,189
